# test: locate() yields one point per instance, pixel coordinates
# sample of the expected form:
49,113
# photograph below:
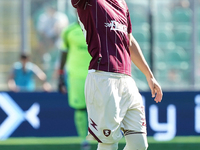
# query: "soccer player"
75,55
112,98
21,78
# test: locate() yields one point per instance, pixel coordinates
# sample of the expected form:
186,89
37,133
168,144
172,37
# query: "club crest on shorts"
106,132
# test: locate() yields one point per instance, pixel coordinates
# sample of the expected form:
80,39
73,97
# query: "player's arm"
61,83
63,58
139,60
42,76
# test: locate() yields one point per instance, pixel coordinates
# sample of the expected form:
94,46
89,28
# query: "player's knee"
105,146
142,146
136,142
136,146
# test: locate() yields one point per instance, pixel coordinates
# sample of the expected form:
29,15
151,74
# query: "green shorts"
76,96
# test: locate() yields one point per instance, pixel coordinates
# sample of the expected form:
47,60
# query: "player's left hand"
156,90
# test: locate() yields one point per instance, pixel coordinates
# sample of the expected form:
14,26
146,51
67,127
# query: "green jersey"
78,58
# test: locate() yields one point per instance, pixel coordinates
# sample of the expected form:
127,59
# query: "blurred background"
168,32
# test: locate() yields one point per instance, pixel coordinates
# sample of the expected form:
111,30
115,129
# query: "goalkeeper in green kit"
75,59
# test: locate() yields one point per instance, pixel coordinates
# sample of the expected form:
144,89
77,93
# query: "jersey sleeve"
129,23
81,4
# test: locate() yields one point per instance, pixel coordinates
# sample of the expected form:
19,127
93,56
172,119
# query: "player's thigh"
134,119
103,108
76,93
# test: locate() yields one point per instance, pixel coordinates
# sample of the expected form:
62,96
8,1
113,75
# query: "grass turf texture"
72,143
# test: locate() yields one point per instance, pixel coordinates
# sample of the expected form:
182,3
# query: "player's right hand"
156,90
61,84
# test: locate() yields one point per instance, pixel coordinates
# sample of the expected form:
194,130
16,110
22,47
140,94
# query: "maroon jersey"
106,24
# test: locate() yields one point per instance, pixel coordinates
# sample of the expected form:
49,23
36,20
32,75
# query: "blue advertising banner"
35,114
48,114
177,115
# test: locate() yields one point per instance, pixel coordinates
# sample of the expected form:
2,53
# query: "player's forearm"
138,58
63,60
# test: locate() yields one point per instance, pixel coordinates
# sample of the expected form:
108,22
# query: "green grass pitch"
72,143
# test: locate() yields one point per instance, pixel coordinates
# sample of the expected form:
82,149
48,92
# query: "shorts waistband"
91,70
113,74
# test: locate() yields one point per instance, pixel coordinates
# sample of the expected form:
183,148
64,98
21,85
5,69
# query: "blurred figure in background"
21,77
75,54
50,25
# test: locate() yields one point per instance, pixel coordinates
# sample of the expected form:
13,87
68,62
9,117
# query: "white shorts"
113,103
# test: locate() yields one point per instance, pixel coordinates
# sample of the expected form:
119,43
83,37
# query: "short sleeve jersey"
106,25
78,58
